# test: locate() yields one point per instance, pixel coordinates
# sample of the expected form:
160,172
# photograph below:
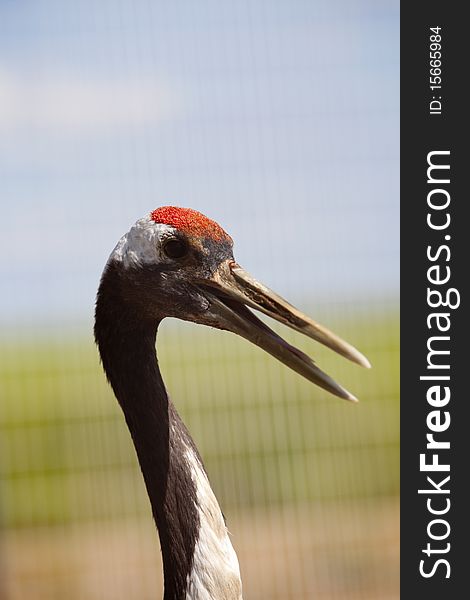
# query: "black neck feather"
127,347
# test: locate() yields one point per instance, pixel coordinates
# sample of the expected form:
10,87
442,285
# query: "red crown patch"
189,221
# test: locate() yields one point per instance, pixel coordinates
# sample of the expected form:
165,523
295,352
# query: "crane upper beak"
231,290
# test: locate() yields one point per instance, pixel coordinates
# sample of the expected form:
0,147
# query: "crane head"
176,262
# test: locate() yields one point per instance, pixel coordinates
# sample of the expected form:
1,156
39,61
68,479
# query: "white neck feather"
215,573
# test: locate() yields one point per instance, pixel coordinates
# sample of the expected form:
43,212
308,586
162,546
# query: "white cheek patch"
142,244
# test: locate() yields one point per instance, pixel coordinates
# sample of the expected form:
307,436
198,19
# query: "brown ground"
341,552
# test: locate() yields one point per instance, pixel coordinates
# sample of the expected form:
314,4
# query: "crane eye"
175,248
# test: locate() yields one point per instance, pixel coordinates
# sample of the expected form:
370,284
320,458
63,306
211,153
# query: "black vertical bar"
424,131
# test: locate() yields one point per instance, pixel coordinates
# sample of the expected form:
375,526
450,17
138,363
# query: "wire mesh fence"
280,121
308,483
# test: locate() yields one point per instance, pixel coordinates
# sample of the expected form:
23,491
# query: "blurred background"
278,119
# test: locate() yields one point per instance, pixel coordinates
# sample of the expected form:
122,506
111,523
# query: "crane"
176,262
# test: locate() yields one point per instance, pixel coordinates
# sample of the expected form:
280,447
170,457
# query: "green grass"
267,436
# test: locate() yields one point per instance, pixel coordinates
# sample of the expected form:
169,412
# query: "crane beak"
231,290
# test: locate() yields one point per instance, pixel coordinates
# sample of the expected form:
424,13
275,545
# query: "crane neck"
177,485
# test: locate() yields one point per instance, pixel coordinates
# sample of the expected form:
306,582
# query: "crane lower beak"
232,290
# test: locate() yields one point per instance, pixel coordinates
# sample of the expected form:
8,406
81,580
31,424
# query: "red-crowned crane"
178,263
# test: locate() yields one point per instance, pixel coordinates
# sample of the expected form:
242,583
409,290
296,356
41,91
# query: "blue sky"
278,119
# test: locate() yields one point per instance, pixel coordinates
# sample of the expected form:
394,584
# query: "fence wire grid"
280,121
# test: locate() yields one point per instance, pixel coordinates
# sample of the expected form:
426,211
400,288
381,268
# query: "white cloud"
69,105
